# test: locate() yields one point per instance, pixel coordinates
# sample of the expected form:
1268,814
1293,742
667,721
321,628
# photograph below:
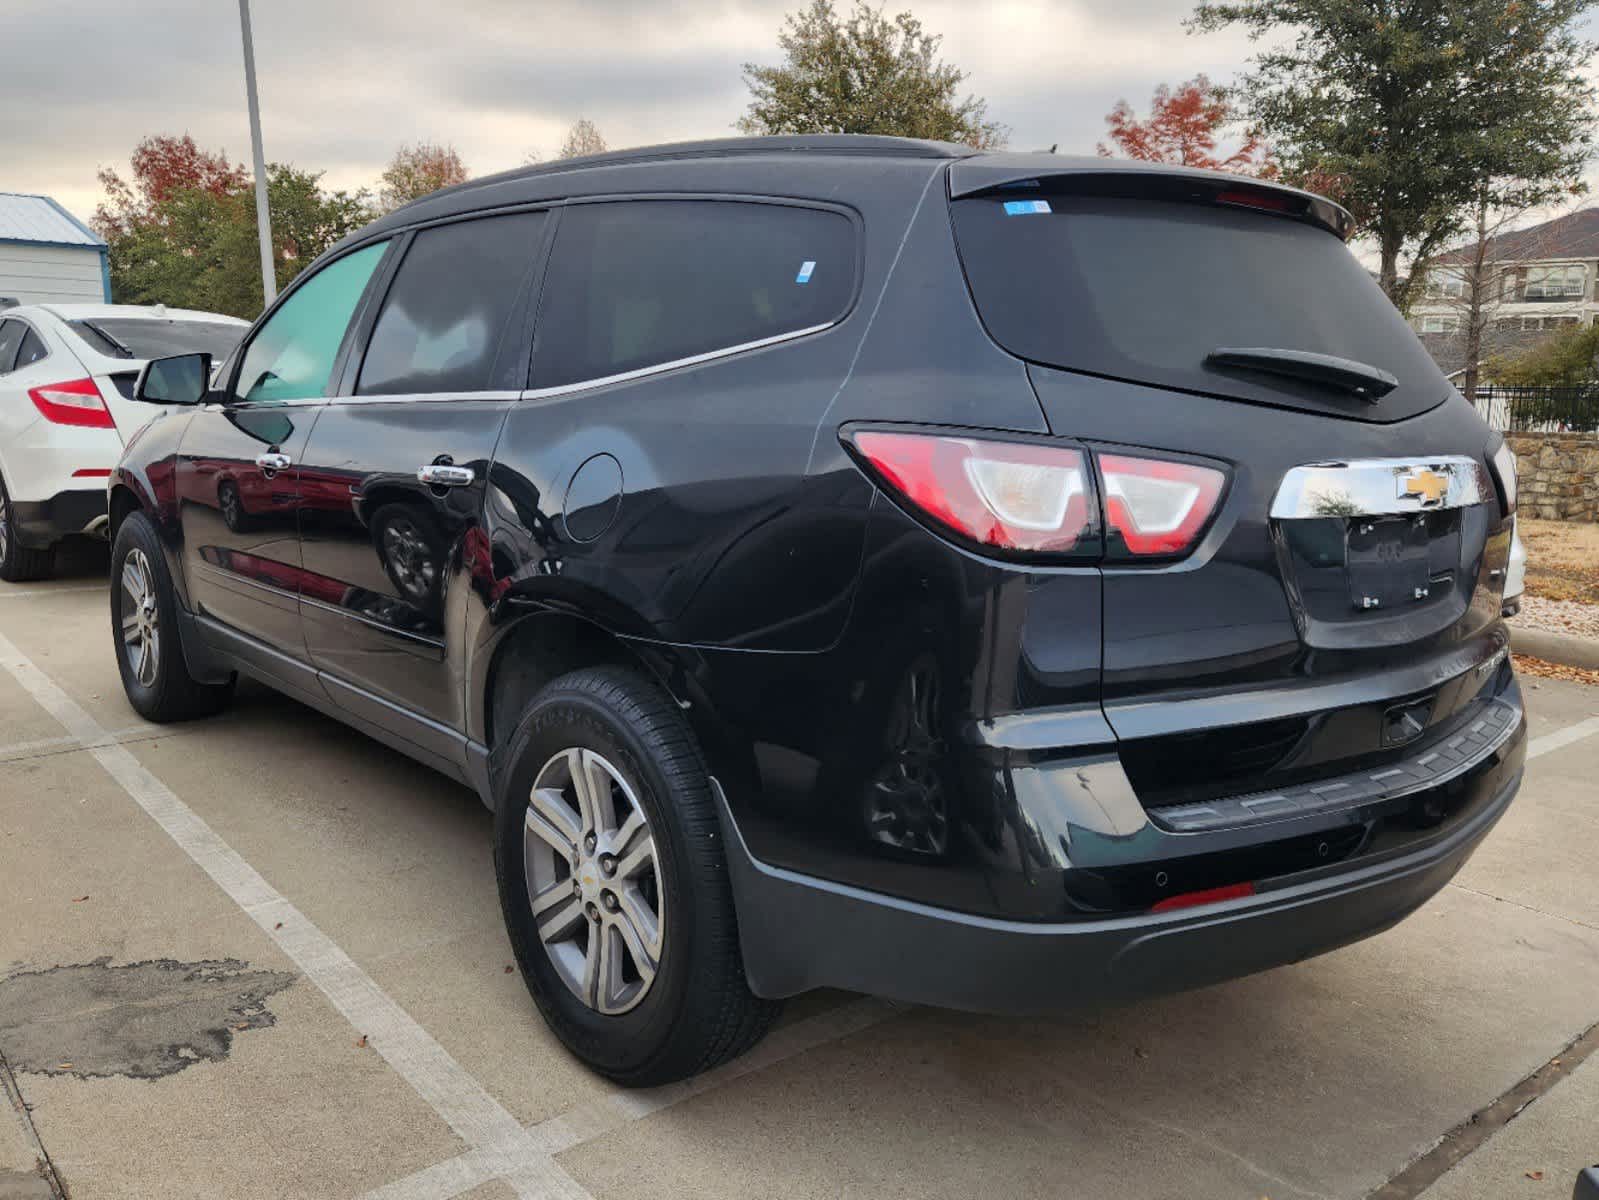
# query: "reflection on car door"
237,478
446,357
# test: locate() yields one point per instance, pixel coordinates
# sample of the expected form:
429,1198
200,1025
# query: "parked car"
66,409
987,580
1516,573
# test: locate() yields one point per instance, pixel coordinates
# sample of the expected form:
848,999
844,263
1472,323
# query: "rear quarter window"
635,284
1145,289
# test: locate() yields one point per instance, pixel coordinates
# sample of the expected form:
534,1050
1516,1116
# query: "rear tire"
144,627
696,1009
19,563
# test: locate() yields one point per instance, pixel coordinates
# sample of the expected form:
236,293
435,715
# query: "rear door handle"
445,475
273,461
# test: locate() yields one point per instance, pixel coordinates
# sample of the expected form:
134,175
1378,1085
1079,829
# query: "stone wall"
1559,475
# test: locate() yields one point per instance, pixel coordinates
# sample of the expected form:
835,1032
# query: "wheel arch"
544,645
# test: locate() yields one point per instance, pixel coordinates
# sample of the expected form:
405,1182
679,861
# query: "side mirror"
180,379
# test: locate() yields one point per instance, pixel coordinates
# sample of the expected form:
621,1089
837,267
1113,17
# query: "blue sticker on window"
1023,208
806,268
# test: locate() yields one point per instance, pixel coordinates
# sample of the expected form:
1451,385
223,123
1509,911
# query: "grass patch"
1562,559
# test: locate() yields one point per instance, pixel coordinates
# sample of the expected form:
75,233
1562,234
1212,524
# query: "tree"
161,166
1185,126
415,171
1566,358
864,74
187,238
582,138
1411,111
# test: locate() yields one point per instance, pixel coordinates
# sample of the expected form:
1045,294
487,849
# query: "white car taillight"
75,402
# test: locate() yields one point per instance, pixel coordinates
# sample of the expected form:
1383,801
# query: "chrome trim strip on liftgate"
1377,487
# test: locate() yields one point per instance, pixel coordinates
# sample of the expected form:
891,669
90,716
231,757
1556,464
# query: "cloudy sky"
343,82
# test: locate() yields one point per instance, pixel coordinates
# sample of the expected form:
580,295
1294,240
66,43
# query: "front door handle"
445,475
273,461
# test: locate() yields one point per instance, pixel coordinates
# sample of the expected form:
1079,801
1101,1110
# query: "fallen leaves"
507,968
1549,670
63,1066
360,1042
1534,1175
79,899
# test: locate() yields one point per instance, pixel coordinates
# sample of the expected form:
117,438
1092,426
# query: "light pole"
263,211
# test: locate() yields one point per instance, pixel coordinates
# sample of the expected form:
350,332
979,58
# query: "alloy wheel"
593,880
410,558
141,618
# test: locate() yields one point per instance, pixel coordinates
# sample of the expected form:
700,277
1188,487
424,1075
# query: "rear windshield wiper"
116,344
1362,379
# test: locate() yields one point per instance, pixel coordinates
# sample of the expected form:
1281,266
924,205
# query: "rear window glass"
449,307
147,337
638,283
1144,290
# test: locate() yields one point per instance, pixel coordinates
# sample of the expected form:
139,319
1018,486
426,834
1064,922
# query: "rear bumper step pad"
1433,765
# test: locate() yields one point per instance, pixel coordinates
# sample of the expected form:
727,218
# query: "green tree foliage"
1566,357
416,171
188,239
863,74
1410,112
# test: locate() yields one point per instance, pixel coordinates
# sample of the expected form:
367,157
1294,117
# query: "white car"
1516,575
66,385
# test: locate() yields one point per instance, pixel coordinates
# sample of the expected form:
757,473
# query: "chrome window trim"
1374,487
675,364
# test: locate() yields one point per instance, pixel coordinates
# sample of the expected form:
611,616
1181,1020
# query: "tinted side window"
291,356
638,283
31,350
10,339
449,306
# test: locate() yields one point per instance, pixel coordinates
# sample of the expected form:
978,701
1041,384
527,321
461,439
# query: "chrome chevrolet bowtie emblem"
1425,485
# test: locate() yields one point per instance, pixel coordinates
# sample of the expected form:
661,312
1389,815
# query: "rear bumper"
799,932
42,523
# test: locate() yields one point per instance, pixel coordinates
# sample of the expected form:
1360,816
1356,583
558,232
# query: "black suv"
1000,581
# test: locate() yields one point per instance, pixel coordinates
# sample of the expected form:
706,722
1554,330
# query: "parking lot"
262,956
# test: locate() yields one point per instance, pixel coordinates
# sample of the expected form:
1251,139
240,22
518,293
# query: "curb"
1562,648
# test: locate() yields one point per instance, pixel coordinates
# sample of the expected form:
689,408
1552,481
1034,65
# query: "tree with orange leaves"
162,166
1185,127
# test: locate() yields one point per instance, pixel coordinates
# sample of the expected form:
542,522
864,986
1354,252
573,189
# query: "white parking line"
476,1117
467,1171
1562,737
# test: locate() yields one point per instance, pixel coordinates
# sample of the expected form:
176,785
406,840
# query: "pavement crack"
1472,1133
45,1169
1581,924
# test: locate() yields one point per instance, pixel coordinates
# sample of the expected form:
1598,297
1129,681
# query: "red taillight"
1270,201
1158,507
76,402
1018,496
1231,891
92,473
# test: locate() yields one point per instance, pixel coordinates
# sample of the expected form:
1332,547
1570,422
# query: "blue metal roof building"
49,256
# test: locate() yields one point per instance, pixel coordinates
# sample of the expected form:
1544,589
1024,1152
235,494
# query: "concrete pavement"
272,962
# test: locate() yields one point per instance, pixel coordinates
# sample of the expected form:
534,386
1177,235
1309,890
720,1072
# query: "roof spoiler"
1044,174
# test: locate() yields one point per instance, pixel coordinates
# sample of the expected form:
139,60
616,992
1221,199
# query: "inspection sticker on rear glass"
805,270
1024,208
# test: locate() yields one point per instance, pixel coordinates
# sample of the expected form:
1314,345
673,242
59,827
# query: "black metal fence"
1568,408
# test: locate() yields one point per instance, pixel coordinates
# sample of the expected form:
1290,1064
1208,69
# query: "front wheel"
614,885
144,627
